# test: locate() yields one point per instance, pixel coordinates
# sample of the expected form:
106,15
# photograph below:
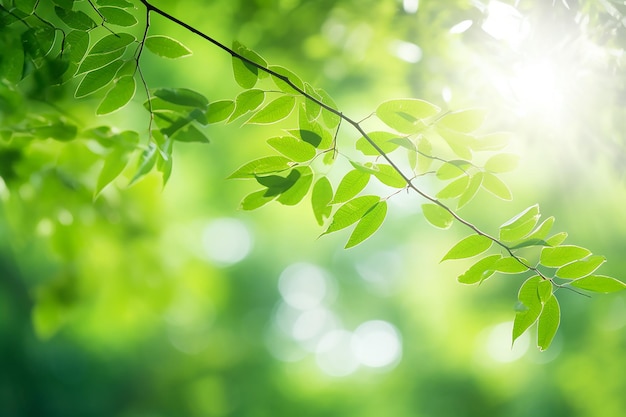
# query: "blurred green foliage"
153,301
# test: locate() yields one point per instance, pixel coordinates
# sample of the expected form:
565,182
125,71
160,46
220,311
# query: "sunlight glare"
536,86
376,344
505,23
303,286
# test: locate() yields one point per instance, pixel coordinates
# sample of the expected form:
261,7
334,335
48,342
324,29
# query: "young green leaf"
351,184
599,283
111,43
351,212
320,199
113,166
452,169
389,176
146,162
406,115
331,119
124,4
277,184
502,162
190,133
465,121
369,223
92,62
26,6
529,308
312,109
122,92
255,200
424,157
526,242
75,19
274,111
246,101
496,186
562,255
520,225
245,73
76,45
480,271
472,189
182,97
510,265
287,74
556,239
491,142
548,323
293,148
166,47
262,166
437,216
458,142
580,268
219,111
468,247
95,80
117,16
299,189
381,139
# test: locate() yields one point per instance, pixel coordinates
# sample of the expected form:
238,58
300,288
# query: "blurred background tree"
162,302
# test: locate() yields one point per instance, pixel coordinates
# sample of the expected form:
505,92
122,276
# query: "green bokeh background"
116,307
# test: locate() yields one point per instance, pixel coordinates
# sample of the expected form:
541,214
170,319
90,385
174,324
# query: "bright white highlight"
406,51
334,354
376,344
505,23
537,86
411,6
303,286
498,343
461,27
226,241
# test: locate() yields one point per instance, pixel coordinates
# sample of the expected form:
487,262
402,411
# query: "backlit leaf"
330,119
255,200
293,148
368,224
530,306
76,44
117,16
246,101
468,247
471,190
406,115
75,19
580,268
182,97
312,109
510,265
112,43
262,166
562,255
496,186
274,111
113,166
389,176
381,139
557,239
320,199
287,74
599,283
520,225
297,191
351,184
548,323
92,62
190,133
491,142
449,170
424,158
246,74
502,162
464,120
166,47
122,92
480,271
437,216
455,188
351,212
97,79
219,111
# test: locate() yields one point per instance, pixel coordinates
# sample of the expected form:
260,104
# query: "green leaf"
437,216
529,242
468,247
114,164
491,142
599,283
118,96
256,200
220,110
75,19
111,43
245,73
459,142
274,111
389,176
480,271
351,184
312,132
548,323
262,166
117,16
381,139
277,184
543,229
496,186
190,133
510,265
556,239
26,6
562,255
76,45
520,225
320,199
580,268
293,148
92,62
424,158
57,130
544,289
299,189
331,119
451,169
95,80
406,115
166,47
369,223
465,121
182,97
146,162
312,109
66,4
116,3
530,306
292,77
455,188
246,101
472,188
502,162
351,212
